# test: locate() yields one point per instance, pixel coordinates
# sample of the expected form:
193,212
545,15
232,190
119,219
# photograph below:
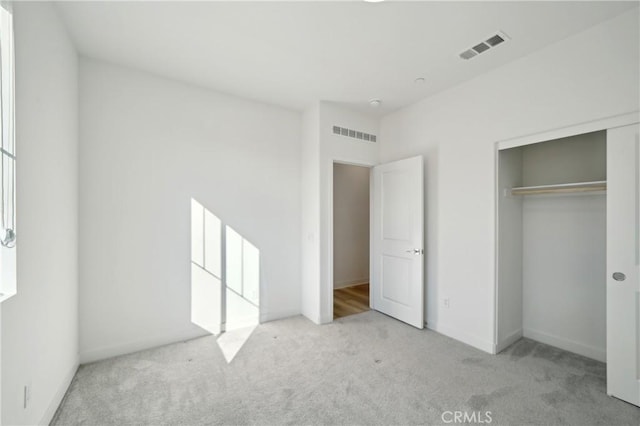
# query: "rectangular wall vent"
484,46
337,130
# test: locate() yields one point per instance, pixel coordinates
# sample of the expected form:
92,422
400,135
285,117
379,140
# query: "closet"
568,248
553,213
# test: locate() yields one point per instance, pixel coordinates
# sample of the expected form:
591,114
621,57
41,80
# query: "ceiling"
295,53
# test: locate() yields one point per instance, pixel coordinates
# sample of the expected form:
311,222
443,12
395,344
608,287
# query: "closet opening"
552,244
351,294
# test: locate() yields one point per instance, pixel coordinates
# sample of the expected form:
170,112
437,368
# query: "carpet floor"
363,369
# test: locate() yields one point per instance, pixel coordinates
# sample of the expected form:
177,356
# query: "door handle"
619,276
415,251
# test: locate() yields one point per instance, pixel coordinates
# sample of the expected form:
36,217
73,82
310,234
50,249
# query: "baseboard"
508,341
325,319
464,337
273,316
315,320
350,283
59,396
314,317
138,345
592,352
240,323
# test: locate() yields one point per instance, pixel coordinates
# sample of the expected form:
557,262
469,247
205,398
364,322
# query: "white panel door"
623,259
397,285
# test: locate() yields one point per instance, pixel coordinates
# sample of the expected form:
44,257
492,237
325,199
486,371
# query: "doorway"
394,216
567,256
351,189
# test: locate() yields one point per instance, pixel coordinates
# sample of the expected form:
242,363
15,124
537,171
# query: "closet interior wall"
552,247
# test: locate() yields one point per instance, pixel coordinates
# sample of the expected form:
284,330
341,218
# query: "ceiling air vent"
495,40
468,54
484,46
337,130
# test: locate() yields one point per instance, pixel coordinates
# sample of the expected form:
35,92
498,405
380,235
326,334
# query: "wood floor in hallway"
350,300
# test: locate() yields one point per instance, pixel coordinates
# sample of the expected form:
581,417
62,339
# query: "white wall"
580,158
321,148
564,246
564,272
149,145
310,208
345,150
40,323
350,225
589,76
509,250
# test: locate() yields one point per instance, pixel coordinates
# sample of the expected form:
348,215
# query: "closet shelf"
562,188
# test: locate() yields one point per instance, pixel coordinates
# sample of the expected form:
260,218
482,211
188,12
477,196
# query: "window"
7,157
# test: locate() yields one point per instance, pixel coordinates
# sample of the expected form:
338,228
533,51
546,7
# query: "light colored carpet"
364,369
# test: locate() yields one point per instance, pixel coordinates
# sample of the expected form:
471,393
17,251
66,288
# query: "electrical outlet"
445,301
26,396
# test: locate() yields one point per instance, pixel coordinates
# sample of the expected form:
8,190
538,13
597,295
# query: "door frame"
327,297
563,132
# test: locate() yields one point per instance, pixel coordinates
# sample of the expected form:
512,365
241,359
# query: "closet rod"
562,188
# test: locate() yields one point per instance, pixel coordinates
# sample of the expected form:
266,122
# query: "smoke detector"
486,45
375,103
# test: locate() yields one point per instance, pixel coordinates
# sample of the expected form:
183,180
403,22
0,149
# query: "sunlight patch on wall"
225,281
206,270
243,281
